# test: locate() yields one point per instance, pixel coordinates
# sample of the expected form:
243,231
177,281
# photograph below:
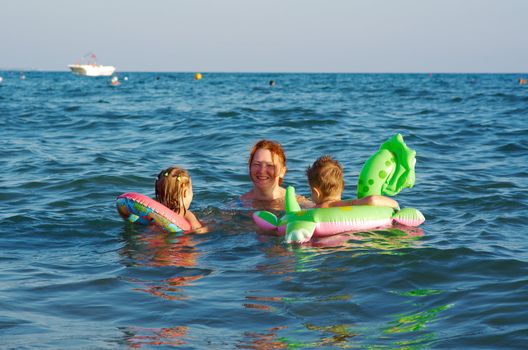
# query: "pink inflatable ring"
136,207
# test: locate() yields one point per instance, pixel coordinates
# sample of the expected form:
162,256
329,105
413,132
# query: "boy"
325,177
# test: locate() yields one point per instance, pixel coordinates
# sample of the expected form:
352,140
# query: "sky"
352,36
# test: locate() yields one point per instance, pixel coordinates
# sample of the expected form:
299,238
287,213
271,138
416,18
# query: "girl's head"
267,164
174,189
325,177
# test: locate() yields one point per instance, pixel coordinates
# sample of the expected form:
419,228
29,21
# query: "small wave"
402,91
521,112
303,123
163,111
510,97
512,147
292,111
71,108
8,219
425,112
513,133
248,110
227,114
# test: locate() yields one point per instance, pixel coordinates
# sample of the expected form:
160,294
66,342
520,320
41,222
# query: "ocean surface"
74,275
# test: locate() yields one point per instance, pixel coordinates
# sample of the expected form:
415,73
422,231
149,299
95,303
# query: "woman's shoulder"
279,193
247,196
250,200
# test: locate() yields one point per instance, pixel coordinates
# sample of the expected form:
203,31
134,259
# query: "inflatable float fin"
409,217
266,220
299,231
290,201
404,175
389,170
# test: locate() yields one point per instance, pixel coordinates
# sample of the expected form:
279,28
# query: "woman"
267,167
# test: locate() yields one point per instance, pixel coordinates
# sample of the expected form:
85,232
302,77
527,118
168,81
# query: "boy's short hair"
327,175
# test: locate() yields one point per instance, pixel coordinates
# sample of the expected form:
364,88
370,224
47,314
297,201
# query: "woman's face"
266,169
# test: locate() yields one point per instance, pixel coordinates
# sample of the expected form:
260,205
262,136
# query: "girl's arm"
195,223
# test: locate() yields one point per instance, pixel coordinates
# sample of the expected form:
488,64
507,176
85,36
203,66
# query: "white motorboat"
91,68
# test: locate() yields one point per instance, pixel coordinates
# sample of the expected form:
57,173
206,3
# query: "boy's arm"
380,201
304,202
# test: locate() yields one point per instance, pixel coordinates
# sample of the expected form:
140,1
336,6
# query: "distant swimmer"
115,81
272,82
523,81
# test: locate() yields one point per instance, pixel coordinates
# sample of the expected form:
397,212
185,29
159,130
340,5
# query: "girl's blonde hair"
171,183
327,175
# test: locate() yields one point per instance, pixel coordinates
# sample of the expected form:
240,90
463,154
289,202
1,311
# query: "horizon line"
266,72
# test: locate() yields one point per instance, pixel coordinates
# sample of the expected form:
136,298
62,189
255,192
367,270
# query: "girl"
174,190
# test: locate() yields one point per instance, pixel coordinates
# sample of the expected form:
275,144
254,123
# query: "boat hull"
92,70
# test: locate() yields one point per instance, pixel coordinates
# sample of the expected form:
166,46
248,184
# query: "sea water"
74,275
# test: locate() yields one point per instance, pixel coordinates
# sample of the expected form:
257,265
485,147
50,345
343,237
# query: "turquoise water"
74,275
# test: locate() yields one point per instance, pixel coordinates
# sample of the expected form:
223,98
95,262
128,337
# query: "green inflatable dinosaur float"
387,172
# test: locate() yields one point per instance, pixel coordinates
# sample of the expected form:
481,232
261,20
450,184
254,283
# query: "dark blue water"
74,275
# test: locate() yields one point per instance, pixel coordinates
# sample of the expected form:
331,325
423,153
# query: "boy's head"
325,177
